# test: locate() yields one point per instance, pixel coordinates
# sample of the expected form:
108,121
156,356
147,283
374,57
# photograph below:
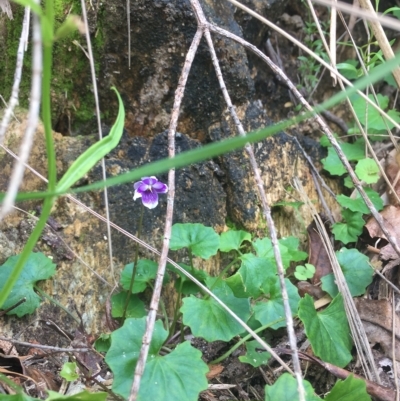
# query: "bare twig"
327,131
6,8
128,20
202,21
34,109
17,76
103,163
155,299
394,362
48,347
381,37
316,57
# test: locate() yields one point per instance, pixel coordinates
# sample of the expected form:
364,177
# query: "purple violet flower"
148,189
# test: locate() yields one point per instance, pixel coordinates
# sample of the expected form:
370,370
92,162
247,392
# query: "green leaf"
179,375
285,389
358,204
253,277
38,267
215,323
374,121
349,231
83,396
356,270
327,331
232,240
287,246
353,152
253,357
70,25
348,69
103,343
17,397
349,390
135,307
367,170
324,141
68,371
202,241
272,308
215,149
348,182
96,152
183,284
35,7
145,273
292,244
304,272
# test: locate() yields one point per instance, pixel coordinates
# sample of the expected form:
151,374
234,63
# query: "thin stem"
176,311
244,339
220,275
46,116
265,206
139,234
51,299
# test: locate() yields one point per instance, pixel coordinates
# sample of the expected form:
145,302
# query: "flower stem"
176,312
139,233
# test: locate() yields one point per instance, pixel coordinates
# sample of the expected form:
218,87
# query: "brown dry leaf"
376,316
317,253
44,380
90,360
392,170
305,287
215,370
391,217
11,363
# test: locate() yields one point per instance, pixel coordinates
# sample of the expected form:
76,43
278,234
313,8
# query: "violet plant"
147,190
249,286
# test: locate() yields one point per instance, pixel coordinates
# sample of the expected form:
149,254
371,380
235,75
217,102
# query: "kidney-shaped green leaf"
327,331
146,272
356,270
179,375
285,389
209,320
202,241
253,278
232,240
349,390
271,309
37,267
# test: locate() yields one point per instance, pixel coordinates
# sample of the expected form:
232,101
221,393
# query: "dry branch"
155,299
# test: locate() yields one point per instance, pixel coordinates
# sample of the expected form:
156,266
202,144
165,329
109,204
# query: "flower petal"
160,187
137,195
150,199
149,180
136,185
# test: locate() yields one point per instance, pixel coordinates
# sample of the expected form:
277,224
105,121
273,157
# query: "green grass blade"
30,3
225,146
95,153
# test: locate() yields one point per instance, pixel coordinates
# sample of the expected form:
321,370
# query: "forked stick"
155,299
202,21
